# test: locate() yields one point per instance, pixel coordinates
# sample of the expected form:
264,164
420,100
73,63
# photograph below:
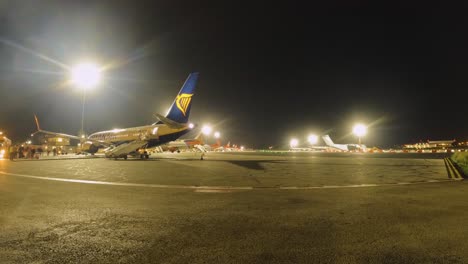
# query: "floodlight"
313,139
293,143
360,130
206,130
86,75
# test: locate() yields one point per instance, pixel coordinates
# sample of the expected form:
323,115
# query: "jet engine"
89,147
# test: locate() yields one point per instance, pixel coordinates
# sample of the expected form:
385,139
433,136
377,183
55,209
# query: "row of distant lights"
312,139
359,130
206,130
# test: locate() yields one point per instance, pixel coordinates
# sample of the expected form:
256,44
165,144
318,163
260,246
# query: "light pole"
85,76
359,130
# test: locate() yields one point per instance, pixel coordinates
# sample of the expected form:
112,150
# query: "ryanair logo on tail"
183,102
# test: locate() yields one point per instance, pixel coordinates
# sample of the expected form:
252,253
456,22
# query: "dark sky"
267,71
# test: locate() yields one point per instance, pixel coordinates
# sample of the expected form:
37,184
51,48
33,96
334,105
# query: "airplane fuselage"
154,134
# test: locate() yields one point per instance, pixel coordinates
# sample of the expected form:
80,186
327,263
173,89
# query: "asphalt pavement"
233,208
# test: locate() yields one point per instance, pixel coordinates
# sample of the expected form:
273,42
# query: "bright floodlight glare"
86,75
313,139
293,143
206,130
217,134
360,130
191,125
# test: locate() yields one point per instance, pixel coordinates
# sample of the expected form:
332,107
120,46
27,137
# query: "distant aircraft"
195,144
226,147
120,143
311,148
343,147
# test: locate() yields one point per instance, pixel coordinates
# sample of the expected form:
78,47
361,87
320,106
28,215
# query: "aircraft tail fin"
328,140
37,123
38,127
180,109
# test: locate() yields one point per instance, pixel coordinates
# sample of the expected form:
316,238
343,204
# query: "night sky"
267,71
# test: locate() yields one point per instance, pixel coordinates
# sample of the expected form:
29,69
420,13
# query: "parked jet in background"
343,147
195,144
120,143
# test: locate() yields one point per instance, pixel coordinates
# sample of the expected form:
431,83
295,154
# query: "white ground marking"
217,189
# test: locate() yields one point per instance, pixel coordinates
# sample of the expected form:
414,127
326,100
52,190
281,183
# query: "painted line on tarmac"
451,168
219,189
128,183
449,175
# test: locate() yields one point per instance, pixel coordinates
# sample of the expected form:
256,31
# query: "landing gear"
144,155
125,157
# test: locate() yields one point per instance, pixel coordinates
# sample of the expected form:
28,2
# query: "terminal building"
48,143
437,146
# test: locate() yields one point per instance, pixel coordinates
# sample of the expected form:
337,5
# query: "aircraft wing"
39,130
57,134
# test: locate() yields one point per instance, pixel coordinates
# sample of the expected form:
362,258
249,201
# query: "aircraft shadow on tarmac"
256,164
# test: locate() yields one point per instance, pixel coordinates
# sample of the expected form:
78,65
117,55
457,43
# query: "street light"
217,134
313,139
85,76
360,130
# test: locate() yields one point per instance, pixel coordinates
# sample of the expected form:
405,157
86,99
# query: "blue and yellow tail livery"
180,109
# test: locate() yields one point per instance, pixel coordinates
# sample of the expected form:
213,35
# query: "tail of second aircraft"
328,140
180,109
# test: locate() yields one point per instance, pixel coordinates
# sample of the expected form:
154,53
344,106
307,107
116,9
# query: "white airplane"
119,143
312,148
343,147
195,144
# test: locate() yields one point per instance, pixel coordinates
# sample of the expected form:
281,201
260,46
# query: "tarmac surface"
234,208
